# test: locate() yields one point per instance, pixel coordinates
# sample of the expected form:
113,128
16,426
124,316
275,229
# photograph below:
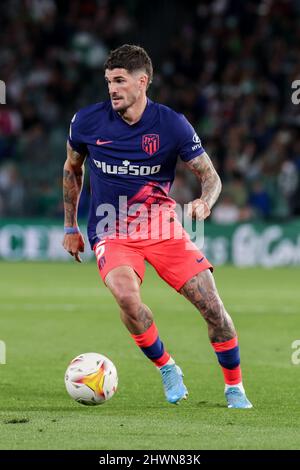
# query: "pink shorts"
175,260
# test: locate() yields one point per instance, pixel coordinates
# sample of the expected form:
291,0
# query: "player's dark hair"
131,58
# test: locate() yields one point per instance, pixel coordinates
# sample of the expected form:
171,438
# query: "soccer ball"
91,379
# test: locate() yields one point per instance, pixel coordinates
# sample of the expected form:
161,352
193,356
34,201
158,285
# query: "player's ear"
143,79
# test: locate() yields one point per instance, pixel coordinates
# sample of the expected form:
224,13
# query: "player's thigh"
123,279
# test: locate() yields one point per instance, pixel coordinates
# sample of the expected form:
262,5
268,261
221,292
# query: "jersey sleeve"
76,139
189,144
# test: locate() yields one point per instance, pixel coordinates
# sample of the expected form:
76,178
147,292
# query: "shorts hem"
118,266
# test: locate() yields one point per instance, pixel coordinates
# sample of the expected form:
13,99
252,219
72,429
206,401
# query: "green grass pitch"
52,312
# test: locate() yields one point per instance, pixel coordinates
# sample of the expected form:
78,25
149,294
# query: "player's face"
125,88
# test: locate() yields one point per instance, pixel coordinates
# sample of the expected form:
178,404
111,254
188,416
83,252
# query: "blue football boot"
236,398
174,388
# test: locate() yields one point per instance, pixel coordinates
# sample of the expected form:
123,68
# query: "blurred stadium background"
228,65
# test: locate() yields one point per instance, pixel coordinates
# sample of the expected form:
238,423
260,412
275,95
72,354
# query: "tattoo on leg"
201,291
145,317
139,322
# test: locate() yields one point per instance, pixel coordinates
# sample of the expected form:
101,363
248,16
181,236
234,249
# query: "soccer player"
131,145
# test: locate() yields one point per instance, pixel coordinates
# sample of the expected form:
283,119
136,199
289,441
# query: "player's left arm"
204,170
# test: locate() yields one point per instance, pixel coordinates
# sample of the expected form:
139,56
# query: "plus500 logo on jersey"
127,169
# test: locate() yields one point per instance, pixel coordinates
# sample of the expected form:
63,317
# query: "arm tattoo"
72,185
77,159
204,170
201,291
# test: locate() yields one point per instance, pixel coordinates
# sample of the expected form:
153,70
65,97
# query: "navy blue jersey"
137,161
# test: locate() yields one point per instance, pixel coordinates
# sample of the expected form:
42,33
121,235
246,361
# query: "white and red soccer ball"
91,379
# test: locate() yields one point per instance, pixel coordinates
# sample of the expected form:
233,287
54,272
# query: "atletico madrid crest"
150,143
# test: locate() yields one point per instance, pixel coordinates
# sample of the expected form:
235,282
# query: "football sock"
228,355
152,347
240,386
170,362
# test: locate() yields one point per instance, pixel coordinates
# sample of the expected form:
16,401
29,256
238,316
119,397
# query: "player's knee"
127,295
128,301
125,289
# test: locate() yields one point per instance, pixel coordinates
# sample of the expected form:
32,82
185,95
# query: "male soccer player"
131,145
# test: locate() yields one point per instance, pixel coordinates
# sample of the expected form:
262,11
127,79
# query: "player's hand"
198,209
74,243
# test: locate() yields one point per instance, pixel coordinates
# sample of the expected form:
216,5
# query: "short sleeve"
189,144
75,138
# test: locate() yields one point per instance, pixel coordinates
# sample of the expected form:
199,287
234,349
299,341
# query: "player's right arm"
196,159
72,186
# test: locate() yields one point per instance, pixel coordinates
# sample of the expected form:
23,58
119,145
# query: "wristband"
71,230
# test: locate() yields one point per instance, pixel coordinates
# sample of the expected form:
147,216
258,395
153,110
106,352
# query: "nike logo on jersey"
102,142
